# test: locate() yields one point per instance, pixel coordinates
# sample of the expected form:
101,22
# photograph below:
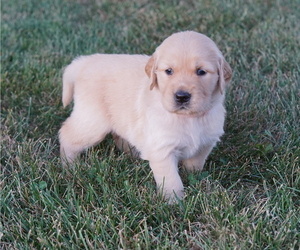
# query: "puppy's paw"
174,197
171,195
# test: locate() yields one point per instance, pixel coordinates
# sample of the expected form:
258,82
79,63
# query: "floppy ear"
225,74
150,71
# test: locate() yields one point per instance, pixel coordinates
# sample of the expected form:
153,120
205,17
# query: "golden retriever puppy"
169,106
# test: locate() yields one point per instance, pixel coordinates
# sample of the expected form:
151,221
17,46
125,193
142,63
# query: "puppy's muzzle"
182,97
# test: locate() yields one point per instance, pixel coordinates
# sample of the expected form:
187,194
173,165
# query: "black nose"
182,97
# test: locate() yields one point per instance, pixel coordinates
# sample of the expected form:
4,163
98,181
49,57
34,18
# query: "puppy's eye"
200,72
169,71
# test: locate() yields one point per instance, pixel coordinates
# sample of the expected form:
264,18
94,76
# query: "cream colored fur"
133,97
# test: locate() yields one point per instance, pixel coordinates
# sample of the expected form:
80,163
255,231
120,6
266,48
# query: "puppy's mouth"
184,107
186,110
183,104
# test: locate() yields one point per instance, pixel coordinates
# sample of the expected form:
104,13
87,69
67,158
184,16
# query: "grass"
248,195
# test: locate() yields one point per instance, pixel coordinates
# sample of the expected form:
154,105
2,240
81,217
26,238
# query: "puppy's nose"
182,97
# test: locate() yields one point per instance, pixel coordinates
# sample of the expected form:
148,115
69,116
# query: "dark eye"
169,71
200,72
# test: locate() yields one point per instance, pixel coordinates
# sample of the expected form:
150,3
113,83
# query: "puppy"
168,106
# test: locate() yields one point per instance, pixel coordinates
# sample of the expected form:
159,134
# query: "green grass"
247,197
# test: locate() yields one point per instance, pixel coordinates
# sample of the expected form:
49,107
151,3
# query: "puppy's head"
190,72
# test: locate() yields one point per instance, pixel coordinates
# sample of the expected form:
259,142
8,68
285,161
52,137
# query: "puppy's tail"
69,79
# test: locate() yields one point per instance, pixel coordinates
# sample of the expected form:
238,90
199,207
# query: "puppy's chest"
182,138
189,138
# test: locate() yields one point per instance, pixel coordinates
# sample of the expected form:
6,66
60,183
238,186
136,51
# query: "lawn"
248,195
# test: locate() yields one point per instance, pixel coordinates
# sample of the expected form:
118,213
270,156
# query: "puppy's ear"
225,74
150,71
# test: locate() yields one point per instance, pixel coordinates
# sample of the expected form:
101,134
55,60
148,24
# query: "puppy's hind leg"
80,132
125,146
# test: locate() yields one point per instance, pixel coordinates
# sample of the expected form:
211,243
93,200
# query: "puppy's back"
98,65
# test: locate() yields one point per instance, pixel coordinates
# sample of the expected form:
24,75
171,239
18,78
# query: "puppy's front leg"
197,162
167,179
